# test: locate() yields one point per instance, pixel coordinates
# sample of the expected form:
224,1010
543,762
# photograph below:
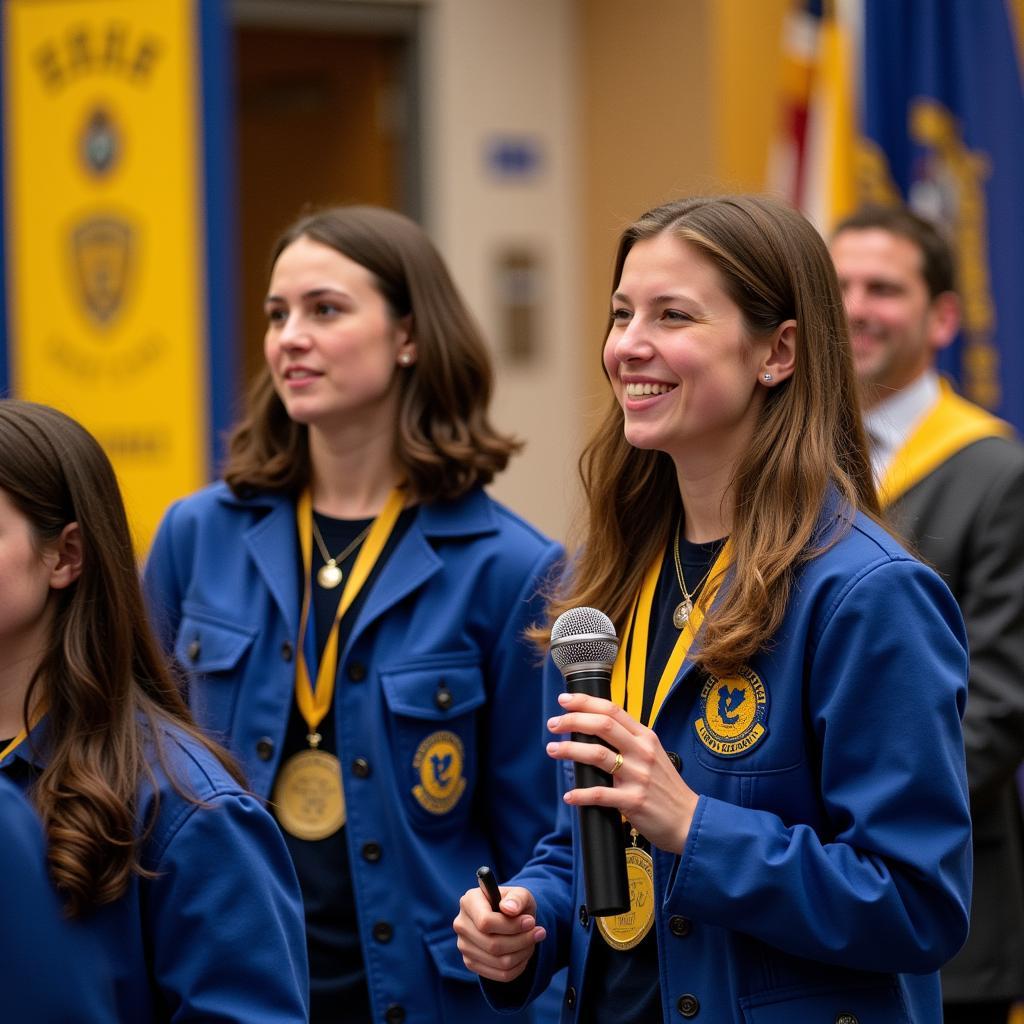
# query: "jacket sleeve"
224,918
52,969
992,602
521,780
549,877
888,888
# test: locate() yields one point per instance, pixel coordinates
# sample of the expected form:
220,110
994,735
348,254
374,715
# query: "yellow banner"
104,247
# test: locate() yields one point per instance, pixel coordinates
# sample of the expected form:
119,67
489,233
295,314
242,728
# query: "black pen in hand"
489,887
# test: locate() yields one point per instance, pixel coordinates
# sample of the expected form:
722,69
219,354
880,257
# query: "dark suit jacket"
967,520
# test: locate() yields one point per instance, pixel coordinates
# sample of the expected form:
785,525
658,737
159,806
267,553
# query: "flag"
921,101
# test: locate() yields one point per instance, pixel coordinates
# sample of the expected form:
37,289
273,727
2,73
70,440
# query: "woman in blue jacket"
350,606
176,878
785,739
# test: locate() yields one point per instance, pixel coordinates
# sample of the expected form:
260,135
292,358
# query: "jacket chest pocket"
212,651
432,709
870,1004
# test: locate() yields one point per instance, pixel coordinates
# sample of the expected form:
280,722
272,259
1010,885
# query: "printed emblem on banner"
101,143
734,713
439,762
102,251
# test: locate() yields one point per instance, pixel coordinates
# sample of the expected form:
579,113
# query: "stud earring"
404,359
767,377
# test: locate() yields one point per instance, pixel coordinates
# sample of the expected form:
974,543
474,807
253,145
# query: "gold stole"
949,426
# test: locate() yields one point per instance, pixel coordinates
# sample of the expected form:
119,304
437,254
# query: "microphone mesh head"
583,634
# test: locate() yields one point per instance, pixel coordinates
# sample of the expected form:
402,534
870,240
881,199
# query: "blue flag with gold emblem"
942,99
920,101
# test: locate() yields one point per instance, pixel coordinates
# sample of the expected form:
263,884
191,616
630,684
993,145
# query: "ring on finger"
618,764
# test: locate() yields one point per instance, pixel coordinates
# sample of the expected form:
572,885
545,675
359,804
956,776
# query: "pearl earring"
405,359
767,376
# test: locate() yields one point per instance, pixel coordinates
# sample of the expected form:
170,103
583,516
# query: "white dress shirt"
892,421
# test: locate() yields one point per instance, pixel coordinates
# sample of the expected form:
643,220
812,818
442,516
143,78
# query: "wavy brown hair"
106,689
444,439
808,437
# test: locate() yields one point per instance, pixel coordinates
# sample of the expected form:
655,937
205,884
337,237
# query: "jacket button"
357,673
361,768
194,649
679,925
287,651
383,932
264,748
443,698
584,915
677,761
394,1014
688,1006
570,997
847,1018
372,852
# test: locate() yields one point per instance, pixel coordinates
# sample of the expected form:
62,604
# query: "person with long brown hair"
153,843
350,606
784,738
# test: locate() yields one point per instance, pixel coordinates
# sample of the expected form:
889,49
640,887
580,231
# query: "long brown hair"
444,439
104,684
809,436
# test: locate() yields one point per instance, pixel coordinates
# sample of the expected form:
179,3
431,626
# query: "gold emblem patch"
734,713
439,762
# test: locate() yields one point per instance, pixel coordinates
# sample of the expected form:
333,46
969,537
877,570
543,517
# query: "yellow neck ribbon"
949,426
14,744
634,672
314,704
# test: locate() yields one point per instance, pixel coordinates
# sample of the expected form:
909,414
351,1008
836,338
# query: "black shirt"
338,992
622,985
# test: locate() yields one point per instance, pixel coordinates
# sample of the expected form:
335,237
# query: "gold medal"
308,798
624,931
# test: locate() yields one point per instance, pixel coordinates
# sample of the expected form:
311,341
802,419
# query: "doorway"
324,115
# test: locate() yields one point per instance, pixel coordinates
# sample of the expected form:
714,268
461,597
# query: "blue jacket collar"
273,544
466,516
33,749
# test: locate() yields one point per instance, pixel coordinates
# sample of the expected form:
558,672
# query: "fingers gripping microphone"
583,646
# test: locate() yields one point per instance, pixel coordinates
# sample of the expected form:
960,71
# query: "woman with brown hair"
166,863
784,735
350,606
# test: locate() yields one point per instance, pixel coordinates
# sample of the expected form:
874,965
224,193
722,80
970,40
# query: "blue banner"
942,99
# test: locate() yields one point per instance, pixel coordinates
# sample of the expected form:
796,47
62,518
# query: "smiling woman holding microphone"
784,737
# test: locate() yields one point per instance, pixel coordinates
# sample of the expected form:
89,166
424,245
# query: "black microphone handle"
604,851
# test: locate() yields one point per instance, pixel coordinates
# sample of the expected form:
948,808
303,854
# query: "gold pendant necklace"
684,609
329,575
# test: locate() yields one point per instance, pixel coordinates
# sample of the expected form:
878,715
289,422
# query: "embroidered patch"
438,762
735,713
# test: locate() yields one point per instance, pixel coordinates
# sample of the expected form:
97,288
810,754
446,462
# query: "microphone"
584,646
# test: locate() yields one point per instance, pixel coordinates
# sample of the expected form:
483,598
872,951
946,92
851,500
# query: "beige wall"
505,69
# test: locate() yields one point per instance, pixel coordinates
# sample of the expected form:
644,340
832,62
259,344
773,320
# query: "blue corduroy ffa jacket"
826,875
435,661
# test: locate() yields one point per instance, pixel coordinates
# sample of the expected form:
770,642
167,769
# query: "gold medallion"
308,798
329,575
624,931
682,613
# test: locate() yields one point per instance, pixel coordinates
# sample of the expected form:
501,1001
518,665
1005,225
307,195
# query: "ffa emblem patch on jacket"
438,762
734,713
